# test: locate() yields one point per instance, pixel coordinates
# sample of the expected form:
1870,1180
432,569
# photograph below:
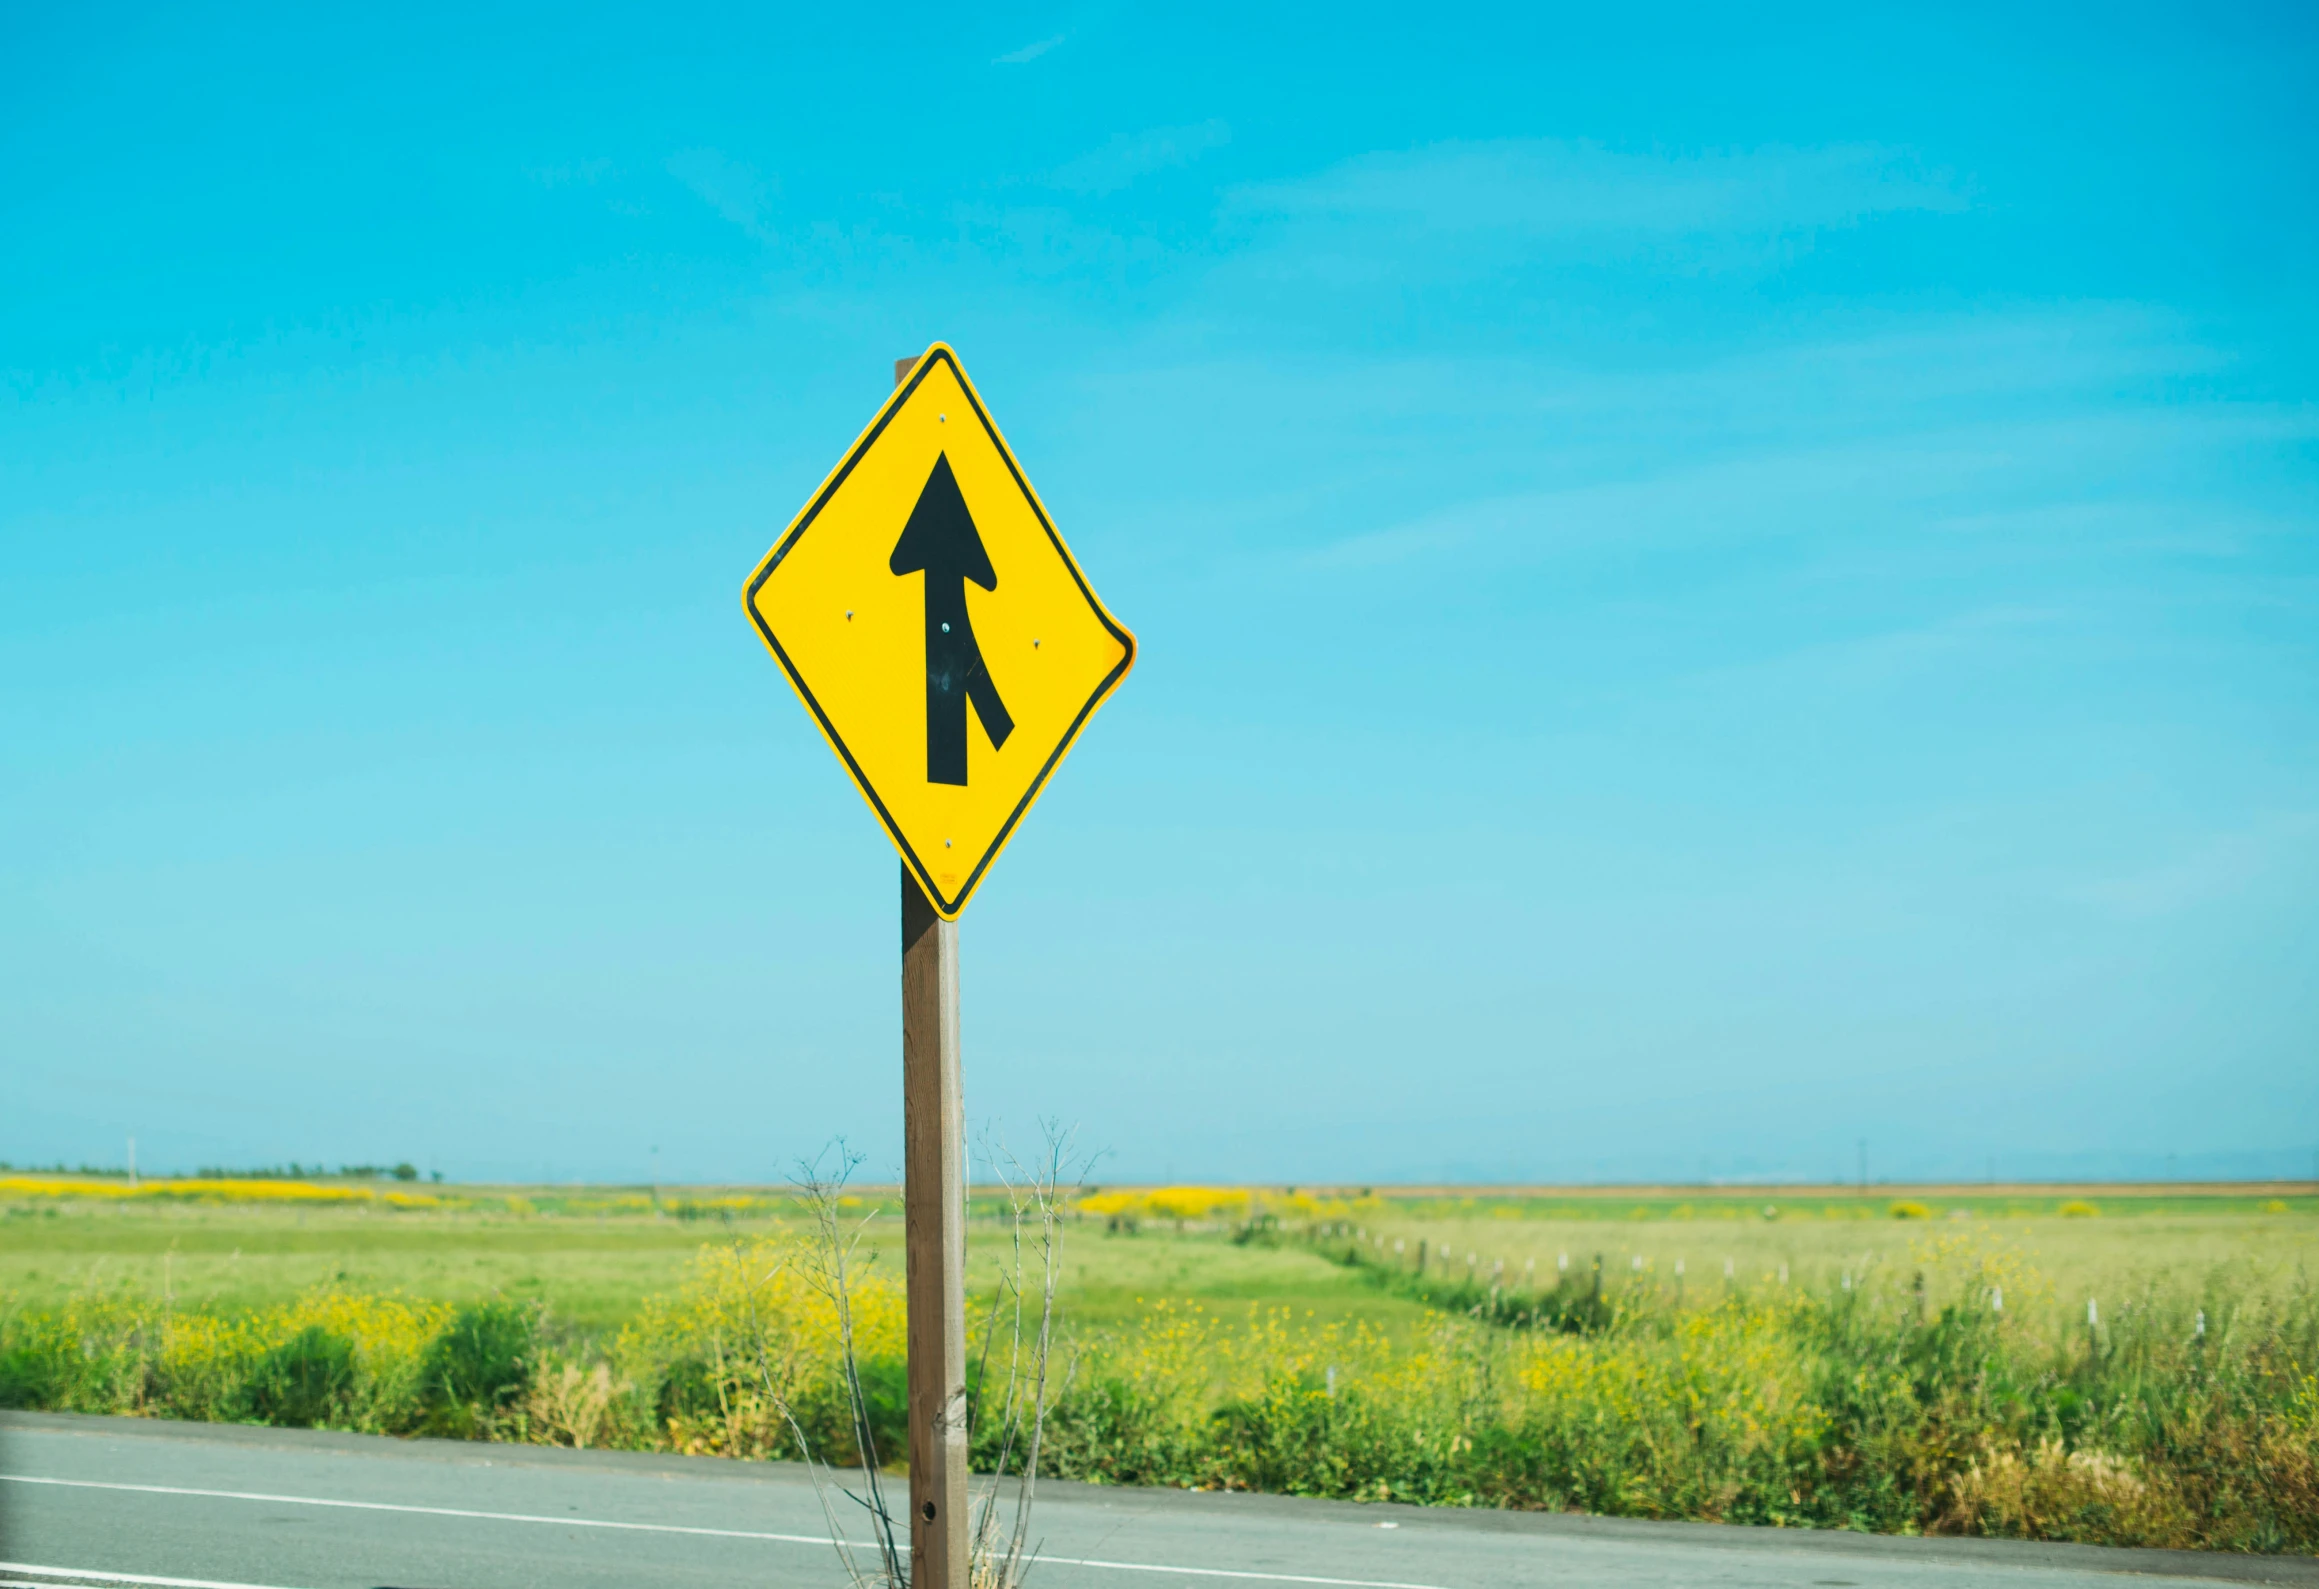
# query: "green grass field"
594,1269
2129,1244
2121,1364
592,1272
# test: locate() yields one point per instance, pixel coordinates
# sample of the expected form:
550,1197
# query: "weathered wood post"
934,1232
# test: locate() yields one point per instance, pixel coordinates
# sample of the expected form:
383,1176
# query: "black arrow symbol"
940,541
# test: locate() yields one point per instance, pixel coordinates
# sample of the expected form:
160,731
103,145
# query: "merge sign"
938,629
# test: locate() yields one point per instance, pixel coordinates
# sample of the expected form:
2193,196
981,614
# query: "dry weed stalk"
570,1407
1036,1196
1035,1199
828,1271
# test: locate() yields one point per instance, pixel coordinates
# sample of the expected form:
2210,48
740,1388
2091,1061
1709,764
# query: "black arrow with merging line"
940,541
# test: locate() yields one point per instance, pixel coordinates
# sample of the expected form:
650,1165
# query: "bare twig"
1035,1200
833,1249
813,1464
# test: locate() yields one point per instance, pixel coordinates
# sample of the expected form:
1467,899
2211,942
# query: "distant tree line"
62,1168
293,1171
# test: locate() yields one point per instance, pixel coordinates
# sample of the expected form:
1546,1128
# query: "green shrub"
305,1382
2188,1417
28,1379
477,1366
1867,1409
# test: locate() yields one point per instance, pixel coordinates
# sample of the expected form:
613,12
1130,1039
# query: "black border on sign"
950,908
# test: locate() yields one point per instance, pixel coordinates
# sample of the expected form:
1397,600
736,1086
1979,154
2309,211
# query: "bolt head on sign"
937,628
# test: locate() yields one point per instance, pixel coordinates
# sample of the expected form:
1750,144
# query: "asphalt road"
126,1501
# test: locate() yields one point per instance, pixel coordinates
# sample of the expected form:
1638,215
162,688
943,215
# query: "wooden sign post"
934,1232
950,649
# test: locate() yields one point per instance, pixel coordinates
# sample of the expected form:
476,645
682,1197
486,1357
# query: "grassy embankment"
1844,1395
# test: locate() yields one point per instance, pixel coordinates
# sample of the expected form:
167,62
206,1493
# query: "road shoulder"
1238,1506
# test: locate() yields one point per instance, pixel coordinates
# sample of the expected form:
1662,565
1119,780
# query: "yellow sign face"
938,629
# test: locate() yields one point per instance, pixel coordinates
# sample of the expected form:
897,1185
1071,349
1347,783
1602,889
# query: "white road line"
1226,1572
430,1511
644,1528
117,1577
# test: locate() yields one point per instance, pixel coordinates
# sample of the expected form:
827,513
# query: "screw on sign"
949,649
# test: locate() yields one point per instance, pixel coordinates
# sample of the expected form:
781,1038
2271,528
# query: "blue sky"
1712,584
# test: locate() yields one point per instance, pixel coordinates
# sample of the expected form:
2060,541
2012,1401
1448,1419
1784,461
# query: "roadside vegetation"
2136,1374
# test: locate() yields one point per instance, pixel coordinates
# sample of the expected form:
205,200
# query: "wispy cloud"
1132,155
2215,866
1968,428
1883,657
1029,52
731,187
577,173
1551,186
1582,201
1901,484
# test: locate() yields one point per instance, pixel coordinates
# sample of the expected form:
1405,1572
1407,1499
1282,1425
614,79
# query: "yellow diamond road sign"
938,629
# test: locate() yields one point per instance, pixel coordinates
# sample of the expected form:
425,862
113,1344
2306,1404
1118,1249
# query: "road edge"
2139,1561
